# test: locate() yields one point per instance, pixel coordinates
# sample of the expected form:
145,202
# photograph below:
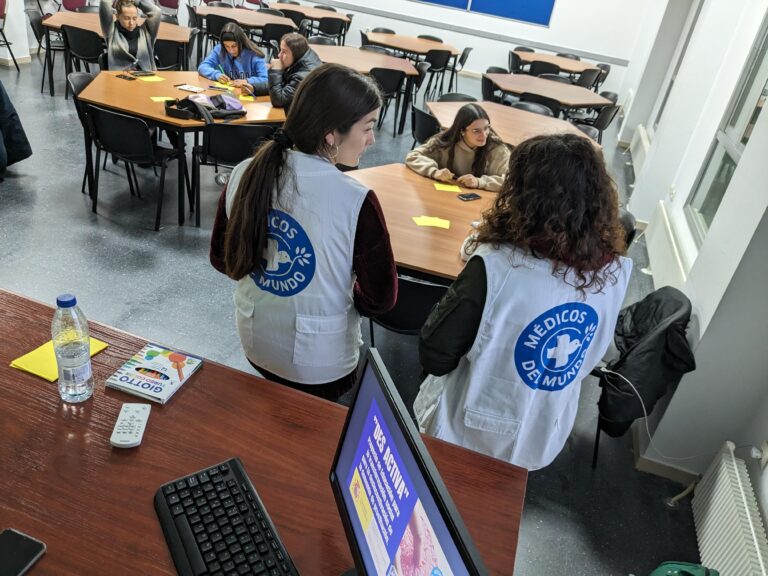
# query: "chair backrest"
438,60
377,49
533,107
588,78
389,81
424,125
169,18
464,56
88,9
323,7
556,78
230,144
77,82
524,49
515,63
430,37
219,5
383,31
330,26
295,16
171,4
290,2
272,11
415,300
456,97
70,5
325,40
364,39
192,18
550,103
83,44
274,32
216,23
606,68
605,117
421,68
127,137
568,55
540,67
612,96
35,22
2,14
168,56
487,87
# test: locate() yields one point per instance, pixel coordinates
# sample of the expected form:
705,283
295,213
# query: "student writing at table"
307,244
130,46
532,312
294,61
236,61
469,152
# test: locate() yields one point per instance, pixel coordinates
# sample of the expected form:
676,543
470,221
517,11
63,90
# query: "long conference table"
569,96
91,504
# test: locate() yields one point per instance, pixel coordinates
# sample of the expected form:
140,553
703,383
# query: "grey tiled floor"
161,286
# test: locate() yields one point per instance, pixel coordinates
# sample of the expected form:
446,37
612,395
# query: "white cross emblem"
562,351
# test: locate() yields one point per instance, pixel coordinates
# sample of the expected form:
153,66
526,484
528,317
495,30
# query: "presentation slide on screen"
399,536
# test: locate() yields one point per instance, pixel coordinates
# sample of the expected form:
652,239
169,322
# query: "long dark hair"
231,32
331,97
558,202
450,137
296,43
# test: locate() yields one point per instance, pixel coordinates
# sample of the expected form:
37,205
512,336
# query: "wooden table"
566,64
568,96
512,125
92,504
409,44
134,98
90,21
404,194
364,60
309,12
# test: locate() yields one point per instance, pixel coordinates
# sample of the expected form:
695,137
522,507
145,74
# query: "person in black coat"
294,61
14,145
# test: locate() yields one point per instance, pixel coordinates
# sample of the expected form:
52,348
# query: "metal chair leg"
160,189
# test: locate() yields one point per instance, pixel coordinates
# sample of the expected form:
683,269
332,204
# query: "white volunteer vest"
298,319
514,395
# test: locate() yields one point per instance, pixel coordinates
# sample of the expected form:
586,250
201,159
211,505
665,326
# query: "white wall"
599,27
16,25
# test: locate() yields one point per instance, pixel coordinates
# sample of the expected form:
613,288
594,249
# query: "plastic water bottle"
72,346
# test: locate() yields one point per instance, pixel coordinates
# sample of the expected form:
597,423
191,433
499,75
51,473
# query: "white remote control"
130,425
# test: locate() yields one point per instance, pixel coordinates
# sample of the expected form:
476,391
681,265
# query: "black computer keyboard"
215,524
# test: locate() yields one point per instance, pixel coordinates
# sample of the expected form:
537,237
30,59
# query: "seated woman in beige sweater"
469,152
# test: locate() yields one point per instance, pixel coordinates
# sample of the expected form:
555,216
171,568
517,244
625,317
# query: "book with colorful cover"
155,373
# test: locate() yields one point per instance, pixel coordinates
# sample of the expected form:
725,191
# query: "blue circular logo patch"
290,263
551,349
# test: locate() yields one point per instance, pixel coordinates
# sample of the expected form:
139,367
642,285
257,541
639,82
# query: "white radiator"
729,528
639,148
663,253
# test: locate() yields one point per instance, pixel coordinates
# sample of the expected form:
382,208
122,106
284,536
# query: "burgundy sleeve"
375,291
218,234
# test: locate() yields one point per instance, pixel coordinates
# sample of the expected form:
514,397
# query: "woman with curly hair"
532,312
469,152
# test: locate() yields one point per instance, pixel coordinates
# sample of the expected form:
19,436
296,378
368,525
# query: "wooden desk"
90,21
409,44
134,97
309,12
246,18
566,64
568,96
364,60
512,125
92,504
404,194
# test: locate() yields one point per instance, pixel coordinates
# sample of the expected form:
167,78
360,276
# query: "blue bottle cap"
66,301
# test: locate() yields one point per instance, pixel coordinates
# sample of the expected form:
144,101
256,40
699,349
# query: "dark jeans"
330,391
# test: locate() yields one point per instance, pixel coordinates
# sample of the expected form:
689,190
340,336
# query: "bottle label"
78,373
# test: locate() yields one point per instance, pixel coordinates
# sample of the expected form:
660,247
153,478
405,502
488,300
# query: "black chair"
390,84
291,2
77,82
383,31
169,55
3,40
550,103
588,78
295,16
487,87
606,68
653,354
456,97
438,64
323,7
377,49
88,9
423,126
347,26
56,45
364,39
195,21
568,55
515,63
169,18
533,107
272,11
540,67
428,37
589,115
273,32
331,27
556,78
415,300
524,49
129,139
82,46
600,123
421,70
228,145
323,40
219,5
612,96
458,66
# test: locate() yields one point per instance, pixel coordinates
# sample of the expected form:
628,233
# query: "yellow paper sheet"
151,78
246,98
42,360
433,221
160,98
222,85
447,187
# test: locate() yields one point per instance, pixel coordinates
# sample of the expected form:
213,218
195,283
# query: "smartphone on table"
467,196
18,552
125,77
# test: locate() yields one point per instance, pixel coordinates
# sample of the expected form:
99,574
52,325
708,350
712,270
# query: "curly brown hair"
558,202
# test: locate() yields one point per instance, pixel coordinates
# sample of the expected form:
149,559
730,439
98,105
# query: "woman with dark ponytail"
307,244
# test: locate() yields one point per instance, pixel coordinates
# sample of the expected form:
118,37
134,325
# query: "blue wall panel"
534,11
452,3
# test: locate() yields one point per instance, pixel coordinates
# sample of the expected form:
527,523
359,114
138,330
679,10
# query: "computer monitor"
396,511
